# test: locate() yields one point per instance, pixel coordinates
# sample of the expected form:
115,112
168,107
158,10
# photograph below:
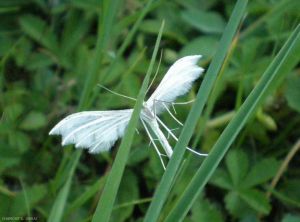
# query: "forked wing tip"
91,151
198,57
201,70
53,132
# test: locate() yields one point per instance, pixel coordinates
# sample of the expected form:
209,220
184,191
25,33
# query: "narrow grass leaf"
168,178
89,192
105,25
104,29
58,207
106,202
124,45
269,78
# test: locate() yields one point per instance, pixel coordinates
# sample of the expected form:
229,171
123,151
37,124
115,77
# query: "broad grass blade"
165,185
105,23
106,202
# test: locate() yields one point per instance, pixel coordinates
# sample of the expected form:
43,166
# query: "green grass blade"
58,207
105,24
104,29
124,45
135,27
106,202
280,66
167,180
87,194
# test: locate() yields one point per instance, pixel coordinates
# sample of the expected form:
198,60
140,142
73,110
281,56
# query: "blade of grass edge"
231,131
164,186
58,207
106,202
105,22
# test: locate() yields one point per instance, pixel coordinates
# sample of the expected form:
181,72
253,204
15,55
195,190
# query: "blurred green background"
46,51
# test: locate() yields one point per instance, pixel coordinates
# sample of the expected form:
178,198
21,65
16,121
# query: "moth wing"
96,131
177,81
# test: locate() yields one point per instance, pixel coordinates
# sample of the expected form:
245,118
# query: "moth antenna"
115,93
160,58
175,138
155,147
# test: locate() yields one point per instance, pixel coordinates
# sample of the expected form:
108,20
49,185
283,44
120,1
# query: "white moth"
97,131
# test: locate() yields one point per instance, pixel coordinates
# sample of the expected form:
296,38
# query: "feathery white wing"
177,81
94,130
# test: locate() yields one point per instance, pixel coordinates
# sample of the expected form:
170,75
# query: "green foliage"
241,181
33,121
37,29
20,202
53,54
204,210
207,22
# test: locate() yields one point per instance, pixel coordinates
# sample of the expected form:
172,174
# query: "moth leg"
174,108
195,152
180,123
175,138
184,103
155,147
166,107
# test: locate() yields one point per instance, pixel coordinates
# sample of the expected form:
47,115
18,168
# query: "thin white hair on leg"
171,130
174,108
175,138
167,129
155,147
180,123
166,107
